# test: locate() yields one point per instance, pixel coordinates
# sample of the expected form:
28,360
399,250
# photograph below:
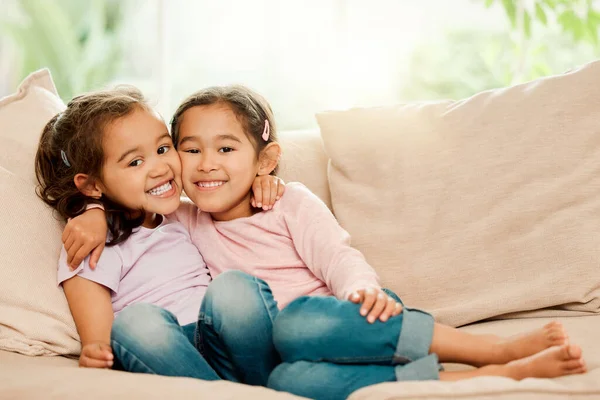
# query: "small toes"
557,337
553,324
571,351
582,370
573,365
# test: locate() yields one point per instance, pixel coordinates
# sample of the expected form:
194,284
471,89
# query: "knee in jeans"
306,323
144,325
230,281
231,276
236,295
289,334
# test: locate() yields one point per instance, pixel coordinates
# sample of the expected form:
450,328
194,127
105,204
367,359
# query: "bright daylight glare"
305,56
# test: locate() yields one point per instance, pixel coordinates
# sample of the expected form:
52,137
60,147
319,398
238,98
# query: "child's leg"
453,345
236,328
550,363
327,329
148,339
321,380
327,381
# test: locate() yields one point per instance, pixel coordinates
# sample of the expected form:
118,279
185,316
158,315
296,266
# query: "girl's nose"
159,169
207,163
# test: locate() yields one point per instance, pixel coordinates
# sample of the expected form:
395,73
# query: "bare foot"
550,363
524,345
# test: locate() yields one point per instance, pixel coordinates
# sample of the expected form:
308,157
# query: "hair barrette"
63,155
267,131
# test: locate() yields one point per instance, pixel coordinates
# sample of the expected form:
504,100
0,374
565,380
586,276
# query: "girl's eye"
162,149
225,149
193,151
135,163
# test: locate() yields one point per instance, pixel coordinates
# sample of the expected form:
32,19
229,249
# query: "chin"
167,208
209,208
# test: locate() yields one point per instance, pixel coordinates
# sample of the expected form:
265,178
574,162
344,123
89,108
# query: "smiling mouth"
208,185
161,190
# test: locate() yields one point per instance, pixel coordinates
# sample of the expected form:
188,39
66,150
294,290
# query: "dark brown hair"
250,108
71,144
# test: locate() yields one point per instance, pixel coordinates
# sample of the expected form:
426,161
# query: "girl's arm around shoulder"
323,244
85,234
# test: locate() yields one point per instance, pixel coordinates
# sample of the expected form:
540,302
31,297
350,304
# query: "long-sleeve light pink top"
298,247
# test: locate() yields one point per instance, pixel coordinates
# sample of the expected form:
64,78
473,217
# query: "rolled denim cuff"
415,337
424,369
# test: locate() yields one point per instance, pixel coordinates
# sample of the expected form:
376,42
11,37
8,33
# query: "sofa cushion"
304,160
24,377
34,315
23,115
59,377
476,208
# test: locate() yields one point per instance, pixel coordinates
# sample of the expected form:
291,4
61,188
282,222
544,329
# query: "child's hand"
83,235
96,355
376,303
267,190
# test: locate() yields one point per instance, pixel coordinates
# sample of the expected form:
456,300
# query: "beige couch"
481,209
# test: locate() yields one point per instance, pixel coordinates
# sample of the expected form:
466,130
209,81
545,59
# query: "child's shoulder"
295,190
296,193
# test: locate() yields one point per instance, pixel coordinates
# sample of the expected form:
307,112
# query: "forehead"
205,122
138,128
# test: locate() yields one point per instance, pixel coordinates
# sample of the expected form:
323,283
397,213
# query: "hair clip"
266,131
63,155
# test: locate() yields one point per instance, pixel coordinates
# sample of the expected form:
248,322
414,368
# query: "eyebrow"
128,152
164,135
229,137
187,139
218,137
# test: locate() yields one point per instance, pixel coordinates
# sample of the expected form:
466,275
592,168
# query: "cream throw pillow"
34,315
304,160
477,208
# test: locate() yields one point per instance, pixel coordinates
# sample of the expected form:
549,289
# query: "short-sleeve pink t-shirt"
160,266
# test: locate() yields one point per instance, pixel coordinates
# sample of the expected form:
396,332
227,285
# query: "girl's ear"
88,186
269,158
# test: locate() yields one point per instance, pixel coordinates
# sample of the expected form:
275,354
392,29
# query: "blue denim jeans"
232,339
329,350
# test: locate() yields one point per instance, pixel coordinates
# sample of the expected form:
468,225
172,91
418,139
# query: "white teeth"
161,189
210,184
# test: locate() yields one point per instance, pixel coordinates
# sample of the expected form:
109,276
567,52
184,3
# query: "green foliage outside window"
77,40
546,37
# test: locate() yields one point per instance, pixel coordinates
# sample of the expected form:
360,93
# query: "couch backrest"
481,207
304,160
34,315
